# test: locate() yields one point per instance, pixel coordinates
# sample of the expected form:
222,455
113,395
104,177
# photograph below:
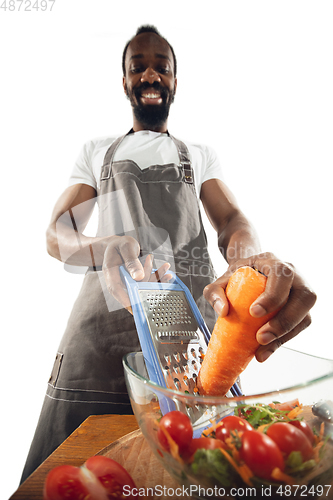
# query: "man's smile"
151,96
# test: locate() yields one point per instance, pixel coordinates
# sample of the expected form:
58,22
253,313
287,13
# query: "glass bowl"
287,375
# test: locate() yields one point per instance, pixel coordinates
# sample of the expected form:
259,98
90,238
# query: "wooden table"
93,435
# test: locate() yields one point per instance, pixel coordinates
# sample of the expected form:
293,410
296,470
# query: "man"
147,184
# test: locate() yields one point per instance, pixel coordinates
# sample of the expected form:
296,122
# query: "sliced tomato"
65,481
111,475
289,438
231,423
304,427
260,453
179,427
100,478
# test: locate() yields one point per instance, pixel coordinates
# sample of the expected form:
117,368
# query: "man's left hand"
284,286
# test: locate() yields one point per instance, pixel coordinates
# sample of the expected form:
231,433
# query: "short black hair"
148,28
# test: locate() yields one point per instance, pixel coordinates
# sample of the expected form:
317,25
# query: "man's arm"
239,244
67,243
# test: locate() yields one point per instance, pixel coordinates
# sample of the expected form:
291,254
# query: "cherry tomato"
260,453
304,426
288,438
180,429
231,423
100,478
111,475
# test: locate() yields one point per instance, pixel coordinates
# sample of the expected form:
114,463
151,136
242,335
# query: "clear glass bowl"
285,376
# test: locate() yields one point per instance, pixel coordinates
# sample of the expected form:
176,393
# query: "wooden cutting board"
134,453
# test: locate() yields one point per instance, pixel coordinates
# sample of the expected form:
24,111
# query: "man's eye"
137,69
163,70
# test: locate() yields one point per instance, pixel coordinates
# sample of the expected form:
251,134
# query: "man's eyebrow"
158,56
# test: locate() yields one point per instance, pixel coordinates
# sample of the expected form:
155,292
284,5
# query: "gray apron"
164,216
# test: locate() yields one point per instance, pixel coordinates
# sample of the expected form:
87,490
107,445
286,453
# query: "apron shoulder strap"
185,160
108,158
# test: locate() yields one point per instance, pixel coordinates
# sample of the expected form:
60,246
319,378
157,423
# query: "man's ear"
175,84
124,85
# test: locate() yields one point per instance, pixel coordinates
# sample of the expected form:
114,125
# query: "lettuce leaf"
213,466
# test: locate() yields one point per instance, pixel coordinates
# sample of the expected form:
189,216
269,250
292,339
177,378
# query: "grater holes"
177,383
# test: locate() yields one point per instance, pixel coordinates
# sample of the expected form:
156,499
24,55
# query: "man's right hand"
125,250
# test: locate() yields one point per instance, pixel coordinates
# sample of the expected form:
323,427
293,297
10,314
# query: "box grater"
173,337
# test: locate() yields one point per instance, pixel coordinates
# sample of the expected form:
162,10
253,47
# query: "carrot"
278,475
233,342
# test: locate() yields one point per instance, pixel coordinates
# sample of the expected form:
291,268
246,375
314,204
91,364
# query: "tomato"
180,429
289,438
304,426
100,478
231,423
260,453
111,475
65,482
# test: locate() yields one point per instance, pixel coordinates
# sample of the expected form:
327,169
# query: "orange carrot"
233,342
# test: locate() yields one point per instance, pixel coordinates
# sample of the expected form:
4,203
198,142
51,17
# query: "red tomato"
303,426
260,453
65,481
111,475
231,423
289,438
180,429
100,478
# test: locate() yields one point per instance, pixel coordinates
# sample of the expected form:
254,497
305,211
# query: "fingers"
215,294
280,279
161,274
125,250
285,290
121,250
265,351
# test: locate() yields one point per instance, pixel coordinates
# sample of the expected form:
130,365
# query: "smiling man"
149,81
148,185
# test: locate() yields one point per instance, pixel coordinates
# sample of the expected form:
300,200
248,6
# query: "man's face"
149,82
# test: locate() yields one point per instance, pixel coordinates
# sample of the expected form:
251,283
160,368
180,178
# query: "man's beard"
151,116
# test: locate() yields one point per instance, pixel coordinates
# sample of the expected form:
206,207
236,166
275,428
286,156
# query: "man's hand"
284,286
125,250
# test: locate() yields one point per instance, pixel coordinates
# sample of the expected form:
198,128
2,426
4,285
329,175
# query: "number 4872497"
27,5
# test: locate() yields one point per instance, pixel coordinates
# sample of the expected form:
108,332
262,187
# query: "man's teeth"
151,96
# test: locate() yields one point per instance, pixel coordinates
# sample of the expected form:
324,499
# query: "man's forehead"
147,43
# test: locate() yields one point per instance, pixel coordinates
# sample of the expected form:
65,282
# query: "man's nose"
150,76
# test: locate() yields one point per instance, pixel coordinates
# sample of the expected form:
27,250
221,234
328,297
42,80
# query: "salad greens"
213,465
258,415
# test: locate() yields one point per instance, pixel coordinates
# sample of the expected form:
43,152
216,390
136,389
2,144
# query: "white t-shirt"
145,148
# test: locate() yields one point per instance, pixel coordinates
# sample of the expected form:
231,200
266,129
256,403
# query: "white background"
255,82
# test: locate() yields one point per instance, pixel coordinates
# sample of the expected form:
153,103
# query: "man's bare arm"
237,238
285,287
67,243
65,239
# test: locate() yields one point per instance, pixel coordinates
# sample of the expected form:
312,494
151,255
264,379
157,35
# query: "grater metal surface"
178,341
173,338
